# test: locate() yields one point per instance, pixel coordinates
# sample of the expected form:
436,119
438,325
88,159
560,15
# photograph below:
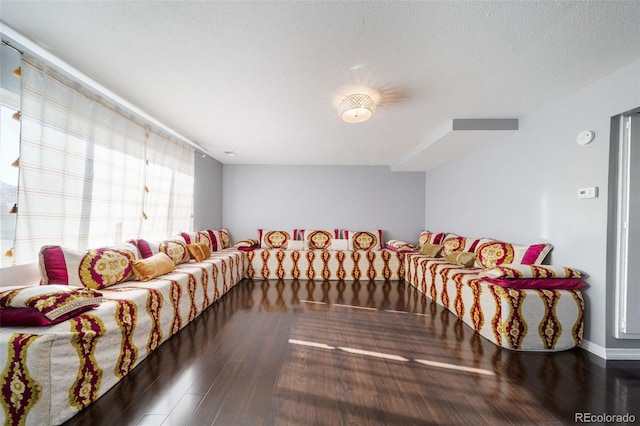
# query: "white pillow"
339,245
295,245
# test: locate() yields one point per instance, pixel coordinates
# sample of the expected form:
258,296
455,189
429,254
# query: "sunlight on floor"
393,311
394,357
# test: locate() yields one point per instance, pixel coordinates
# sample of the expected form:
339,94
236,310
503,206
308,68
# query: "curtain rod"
9,45
47,56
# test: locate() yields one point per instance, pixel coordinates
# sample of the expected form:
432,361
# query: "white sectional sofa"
49,373
527,307
322,255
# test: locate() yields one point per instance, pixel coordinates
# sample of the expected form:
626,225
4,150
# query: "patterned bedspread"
50,373
520,319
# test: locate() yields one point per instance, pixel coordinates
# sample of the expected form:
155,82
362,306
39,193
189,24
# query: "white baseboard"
611,354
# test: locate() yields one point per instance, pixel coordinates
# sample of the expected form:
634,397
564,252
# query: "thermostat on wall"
590,192
586,137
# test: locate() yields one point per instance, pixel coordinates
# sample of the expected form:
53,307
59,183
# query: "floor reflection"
565,382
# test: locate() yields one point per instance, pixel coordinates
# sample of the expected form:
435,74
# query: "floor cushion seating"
514,318
48,374
325,264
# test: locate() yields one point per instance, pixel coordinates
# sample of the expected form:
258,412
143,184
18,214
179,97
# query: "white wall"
523,188
207,204
345,197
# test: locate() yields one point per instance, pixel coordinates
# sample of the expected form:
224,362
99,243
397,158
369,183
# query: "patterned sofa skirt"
48,374
325,264
519,319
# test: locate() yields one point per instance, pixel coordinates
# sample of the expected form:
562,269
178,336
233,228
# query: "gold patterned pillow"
319,239
276,239
531,271
491,253
364,240
427,237
453,242
45,305
94,268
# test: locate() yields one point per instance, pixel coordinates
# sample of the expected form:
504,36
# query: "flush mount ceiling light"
356,108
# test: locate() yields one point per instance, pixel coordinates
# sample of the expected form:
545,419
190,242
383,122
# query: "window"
9,150
92,174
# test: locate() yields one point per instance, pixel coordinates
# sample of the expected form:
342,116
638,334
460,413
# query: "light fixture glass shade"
356,108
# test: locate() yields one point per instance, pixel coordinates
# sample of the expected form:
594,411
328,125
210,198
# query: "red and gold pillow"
201,236
36,306
427,237
276,239
221,238
364,240
531,272
538,283
176,249
94,268
453,242
247,245
400,246
319,239
491,253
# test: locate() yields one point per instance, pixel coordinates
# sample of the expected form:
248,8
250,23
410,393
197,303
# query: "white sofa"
48,374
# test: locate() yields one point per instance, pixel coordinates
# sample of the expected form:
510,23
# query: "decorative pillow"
276,239
296,245
531,271
199,251
196,237
319,239
221,238
45,305
176,249
247,245
339,244
399,246
539,283
491,253
154,266
431,250
462,258
453,242
427,237
94,268
364,240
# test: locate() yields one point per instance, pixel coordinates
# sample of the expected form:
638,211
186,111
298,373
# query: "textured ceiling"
263,79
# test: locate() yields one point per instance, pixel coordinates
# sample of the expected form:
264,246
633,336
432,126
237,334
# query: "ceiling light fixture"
230,154
356,108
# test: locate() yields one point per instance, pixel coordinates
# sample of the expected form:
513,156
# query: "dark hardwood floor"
335,353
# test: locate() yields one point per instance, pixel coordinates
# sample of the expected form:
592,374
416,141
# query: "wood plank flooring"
354,353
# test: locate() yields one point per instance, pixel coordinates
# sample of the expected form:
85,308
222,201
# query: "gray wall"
208,194
523,188
355,197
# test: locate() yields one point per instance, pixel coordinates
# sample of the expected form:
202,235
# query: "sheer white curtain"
170,181
83,170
